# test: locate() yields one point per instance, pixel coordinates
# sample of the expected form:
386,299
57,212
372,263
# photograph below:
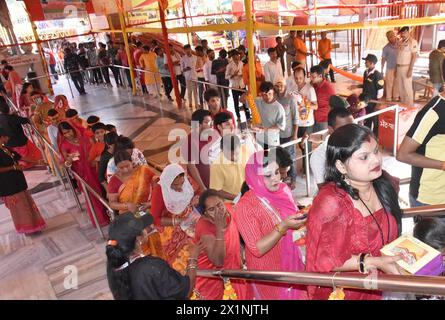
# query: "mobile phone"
302,217
243,121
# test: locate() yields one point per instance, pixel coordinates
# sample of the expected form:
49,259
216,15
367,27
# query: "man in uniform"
406,57
373,88
290,51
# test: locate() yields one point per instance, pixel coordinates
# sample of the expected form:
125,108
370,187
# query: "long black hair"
65,126
431,231
341,145
118,280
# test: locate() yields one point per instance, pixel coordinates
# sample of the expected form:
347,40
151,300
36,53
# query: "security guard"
373,85
406,57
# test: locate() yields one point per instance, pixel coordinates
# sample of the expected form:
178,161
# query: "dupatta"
279,205
137,190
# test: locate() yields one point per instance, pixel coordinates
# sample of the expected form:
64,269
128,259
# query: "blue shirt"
390,54
161,67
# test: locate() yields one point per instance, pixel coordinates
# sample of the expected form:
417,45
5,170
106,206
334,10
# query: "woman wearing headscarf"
14,191
75,146
355,213
173,207
266,216
61,105
135,275
25,101
18,142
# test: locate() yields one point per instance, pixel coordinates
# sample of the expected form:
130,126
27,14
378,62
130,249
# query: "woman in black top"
134,274
13,191
18,142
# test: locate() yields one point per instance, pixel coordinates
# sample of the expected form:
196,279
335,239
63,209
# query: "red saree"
84,169
210,288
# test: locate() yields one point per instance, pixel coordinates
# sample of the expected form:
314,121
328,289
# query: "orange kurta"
324,48
300,45
96,150
148,62
259,75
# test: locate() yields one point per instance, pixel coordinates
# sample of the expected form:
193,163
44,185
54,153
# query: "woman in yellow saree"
130,190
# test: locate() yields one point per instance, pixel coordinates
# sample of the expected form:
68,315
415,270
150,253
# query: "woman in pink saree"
266,217
75,146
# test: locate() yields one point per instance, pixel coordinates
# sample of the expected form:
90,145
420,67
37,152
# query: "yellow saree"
137,190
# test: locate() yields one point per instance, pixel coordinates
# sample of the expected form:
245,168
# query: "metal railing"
395,108
56,157
383,282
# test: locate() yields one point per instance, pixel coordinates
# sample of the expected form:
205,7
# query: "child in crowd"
110,128
98,146
53,117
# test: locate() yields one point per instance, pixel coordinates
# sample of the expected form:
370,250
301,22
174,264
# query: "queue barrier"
392,283
421,285
45,145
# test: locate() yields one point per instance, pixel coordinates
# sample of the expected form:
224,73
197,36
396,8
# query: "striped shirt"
428,185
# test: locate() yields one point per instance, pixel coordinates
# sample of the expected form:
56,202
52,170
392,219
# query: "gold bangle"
174,221
280,231
358,262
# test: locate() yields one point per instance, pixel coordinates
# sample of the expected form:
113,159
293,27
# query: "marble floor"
42,266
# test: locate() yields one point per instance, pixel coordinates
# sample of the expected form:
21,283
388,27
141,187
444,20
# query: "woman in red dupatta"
75,147
216,231
266,215
61,105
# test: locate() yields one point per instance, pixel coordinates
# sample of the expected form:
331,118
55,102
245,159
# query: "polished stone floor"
37,267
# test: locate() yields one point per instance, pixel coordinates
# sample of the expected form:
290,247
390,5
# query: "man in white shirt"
307,103
176,59
234,72
208,69
272,69
289,103
188,66
337,118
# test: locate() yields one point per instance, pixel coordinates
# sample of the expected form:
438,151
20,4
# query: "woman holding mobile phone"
75,147
266,216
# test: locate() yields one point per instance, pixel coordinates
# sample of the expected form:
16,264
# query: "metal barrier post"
90,204
308,178
72,189
56,168
68,78
396,130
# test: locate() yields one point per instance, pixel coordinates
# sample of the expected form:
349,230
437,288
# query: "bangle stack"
361,263
281,231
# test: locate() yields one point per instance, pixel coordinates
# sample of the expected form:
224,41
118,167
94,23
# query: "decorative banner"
139,17
109,6
266,5
55,9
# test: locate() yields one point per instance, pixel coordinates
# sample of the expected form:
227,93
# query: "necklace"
377,223
370,195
